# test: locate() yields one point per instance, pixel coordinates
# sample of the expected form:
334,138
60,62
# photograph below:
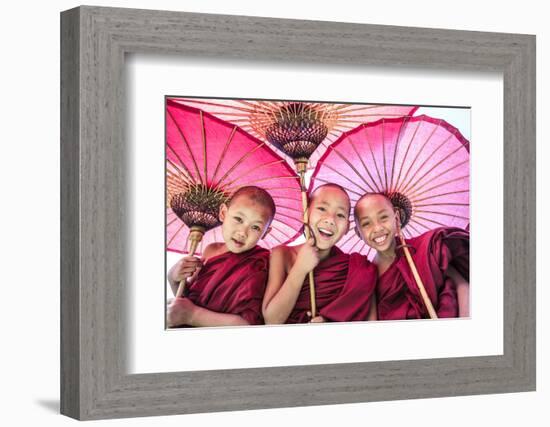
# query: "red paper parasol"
420,162
304,129
207,160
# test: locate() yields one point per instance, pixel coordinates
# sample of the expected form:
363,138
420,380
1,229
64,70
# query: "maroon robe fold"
344,285
233,283
433,252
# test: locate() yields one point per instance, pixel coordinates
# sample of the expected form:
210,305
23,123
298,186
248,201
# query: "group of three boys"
238,283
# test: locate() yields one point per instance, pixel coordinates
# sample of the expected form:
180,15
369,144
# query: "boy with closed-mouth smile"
228,289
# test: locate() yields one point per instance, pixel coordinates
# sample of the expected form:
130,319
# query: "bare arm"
182,311
282,290
462,291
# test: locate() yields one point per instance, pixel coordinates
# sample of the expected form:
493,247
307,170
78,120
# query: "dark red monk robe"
433,252
233,283
344,285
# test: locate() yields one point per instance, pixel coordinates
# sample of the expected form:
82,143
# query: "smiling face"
329,215
244,223
376,222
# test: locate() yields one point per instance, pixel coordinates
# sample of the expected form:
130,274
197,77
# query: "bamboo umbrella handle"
306,230
192,248
418,280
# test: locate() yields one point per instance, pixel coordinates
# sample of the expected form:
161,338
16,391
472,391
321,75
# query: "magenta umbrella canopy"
207,160
296,128
422,163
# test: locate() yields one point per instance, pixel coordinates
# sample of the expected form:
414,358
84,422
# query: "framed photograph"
131,169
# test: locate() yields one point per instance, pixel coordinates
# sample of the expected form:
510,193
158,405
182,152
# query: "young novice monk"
228,288
441,257
344,283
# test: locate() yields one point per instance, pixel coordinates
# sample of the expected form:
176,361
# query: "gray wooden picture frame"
94,266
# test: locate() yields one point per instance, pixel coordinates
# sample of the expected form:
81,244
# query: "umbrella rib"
299,220
171,222
442,204
416,157
397,141
359,241
222,157
274,162
374,160
242,159
409,145
343,176
175,234
365,167
429,220
351,235
414,201
272,235
384,154
203,134
214,104
414,187
186,144
353,168
414,228
442,213
432,153
330,182
441,184
184,176
260,180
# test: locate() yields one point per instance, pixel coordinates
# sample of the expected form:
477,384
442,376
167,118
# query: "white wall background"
29,218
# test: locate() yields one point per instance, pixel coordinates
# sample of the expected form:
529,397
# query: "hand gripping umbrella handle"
418,280
195,237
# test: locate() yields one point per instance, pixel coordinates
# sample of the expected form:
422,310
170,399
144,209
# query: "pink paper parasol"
420,162
207,160
298,129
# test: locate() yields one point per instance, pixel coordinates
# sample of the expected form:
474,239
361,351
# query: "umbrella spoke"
330,182
373,159
352,167
428,220
443,214
231,189
351,236
442,204
343,176
222,157
432,153
188,176
384,154
255,168
241,159
439,175
175,234
415,201
409,225
186,145
409,145
365,167
203,134
173,221
416,157
397,141
187,180
441,184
